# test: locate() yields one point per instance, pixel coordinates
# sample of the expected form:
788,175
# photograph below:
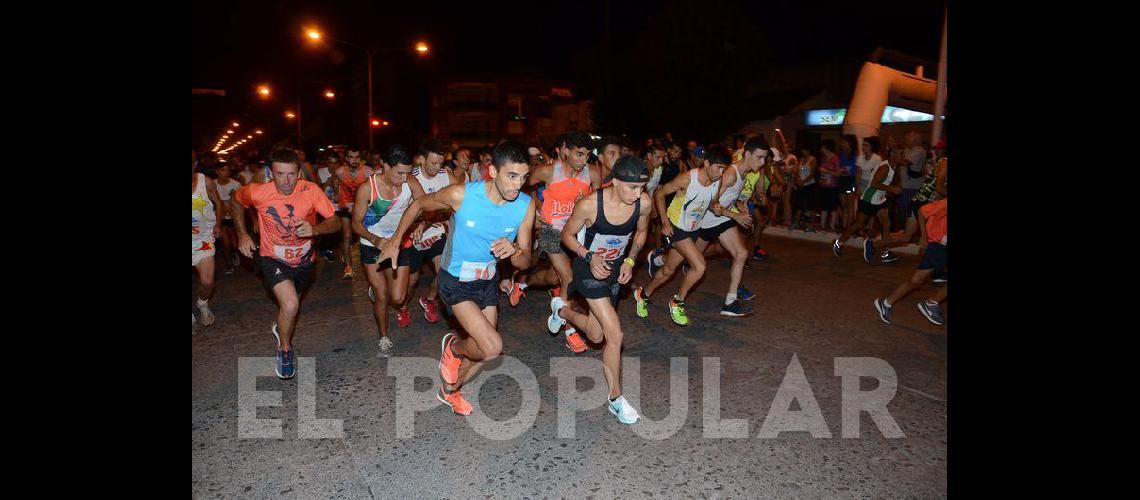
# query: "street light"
375,123
290,115
421,47
258,131
263,90
329,94
236,124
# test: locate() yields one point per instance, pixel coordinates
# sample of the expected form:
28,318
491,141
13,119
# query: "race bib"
292,254
609,246
431,235
474,271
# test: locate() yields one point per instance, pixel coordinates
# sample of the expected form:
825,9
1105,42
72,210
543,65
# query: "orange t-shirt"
935,213
348,184
278,214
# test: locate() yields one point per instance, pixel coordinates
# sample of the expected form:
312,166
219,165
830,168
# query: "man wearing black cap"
599,231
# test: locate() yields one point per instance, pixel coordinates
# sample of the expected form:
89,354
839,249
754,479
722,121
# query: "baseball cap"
699,152
630,169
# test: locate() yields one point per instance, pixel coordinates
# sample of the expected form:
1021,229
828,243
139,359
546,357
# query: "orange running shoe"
575,343
448,362
455,401
516,293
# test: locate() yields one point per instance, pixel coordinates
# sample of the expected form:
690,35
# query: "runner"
934,261
720,224
492,220
932,189
568,180
873,199
286,211
376,213
348,178
656,259
426,242
326,245
681,224
205,204
599,243
752,199
226,186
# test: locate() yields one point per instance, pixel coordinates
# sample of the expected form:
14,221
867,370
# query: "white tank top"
227,190
731,193
440,181
382,217
202,214
687,213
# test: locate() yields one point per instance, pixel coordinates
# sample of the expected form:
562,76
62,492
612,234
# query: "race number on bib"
292,254
430,237
609,246
473,271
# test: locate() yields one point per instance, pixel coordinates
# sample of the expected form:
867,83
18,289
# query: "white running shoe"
623,410
207,316
554,322
385,346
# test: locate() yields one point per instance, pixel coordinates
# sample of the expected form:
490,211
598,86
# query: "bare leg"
288,305
915,282
380,291
483,342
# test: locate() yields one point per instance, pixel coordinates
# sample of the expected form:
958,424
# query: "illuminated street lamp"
329,94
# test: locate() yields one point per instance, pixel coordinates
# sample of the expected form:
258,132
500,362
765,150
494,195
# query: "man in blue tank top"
493,220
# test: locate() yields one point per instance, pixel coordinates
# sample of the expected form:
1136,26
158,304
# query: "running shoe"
649,259
623,411
385,346
642,302
371,295
347,272
884,310
574,341
868,250
515,293
734,309
930,309
207,315
430,312
760,255
677,311
554,322
888,257
744,294
455,400
284,364
836,247
403,317
328,255
448,361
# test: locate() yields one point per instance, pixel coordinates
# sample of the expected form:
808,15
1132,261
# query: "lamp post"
420,47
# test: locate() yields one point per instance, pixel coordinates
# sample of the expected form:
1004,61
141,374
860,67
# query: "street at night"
809,306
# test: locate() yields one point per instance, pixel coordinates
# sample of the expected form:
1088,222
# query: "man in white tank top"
380,202
427,238
205,205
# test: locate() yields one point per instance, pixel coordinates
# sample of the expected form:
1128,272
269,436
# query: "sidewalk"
828,237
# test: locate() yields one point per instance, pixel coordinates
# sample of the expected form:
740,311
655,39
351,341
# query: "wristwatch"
589,255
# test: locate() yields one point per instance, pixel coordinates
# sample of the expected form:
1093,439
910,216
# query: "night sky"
239,44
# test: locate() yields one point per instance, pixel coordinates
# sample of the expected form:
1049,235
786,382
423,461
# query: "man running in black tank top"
599,242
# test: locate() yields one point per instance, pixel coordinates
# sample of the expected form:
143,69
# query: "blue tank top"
478,222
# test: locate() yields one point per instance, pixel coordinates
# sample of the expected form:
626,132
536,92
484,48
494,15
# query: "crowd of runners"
577,220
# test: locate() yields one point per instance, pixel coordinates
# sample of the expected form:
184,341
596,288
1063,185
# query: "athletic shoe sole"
615,413
835,248
442,353
446,402
929,316
736,315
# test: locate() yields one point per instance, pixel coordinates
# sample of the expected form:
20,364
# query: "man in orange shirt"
287,209
933,261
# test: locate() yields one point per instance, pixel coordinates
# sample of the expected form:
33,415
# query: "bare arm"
541,174
584,213
678,183
521,259
212,193
359,208
450,197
